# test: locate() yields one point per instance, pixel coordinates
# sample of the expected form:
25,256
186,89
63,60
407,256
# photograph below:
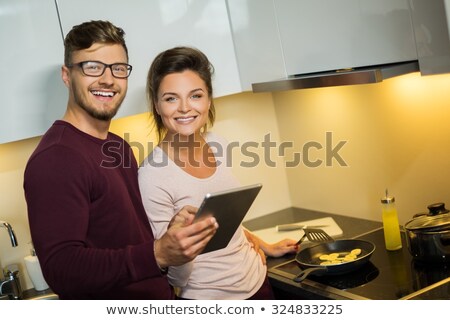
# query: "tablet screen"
229,207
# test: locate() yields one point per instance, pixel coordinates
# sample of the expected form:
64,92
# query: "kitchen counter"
438,291
352,227
388,274
286,288
32,294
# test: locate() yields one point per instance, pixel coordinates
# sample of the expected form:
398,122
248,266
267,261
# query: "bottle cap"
387,198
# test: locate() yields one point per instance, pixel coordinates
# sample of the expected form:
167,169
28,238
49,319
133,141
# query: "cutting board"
271,235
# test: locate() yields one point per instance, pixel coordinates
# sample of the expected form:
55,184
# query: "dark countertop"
351,227
284,288
438,291
410,280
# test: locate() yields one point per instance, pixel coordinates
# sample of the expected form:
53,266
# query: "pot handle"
304,273
443,243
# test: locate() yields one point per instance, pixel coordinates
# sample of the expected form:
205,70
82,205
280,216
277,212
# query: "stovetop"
388,275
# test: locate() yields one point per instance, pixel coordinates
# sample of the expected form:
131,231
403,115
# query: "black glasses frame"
105,65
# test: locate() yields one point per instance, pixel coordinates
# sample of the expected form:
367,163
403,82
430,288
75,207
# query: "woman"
189,162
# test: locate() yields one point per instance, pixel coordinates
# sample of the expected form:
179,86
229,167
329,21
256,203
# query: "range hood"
360,75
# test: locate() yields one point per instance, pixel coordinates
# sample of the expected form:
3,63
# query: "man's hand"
184,240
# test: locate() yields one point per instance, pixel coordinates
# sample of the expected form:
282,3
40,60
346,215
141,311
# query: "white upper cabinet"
247,41
32,33
153,26
33,95
277,39
257,41
209,30
431,20
329,35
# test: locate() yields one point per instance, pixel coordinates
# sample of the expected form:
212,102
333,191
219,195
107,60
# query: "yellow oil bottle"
391,226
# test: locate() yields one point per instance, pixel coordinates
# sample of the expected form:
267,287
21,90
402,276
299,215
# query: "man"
87,221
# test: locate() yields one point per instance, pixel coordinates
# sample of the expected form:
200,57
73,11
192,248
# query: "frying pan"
308,258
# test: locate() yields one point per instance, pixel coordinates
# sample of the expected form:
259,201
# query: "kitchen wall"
13,208
394,135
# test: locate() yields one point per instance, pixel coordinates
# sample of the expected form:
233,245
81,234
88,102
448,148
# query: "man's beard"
103,115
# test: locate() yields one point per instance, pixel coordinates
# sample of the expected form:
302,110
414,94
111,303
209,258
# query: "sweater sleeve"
57,185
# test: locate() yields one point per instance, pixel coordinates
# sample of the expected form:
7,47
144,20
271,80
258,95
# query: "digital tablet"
229,207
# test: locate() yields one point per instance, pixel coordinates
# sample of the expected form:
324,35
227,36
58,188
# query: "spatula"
315,235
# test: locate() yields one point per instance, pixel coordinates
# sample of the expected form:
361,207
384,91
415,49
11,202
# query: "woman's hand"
281,248
184,217
255,244
278,249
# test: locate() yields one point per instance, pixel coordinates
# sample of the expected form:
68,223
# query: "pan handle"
304,273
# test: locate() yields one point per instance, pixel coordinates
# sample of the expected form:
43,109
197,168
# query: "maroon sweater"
87,221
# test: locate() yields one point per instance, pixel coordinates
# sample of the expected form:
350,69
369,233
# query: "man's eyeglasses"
97,69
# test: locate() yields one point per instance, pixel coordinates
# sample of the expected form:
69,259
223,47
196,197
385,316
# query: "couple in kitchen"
89,217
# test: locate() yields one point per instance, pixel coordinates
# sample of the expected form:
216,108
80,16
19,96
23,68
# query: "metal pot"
428,235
